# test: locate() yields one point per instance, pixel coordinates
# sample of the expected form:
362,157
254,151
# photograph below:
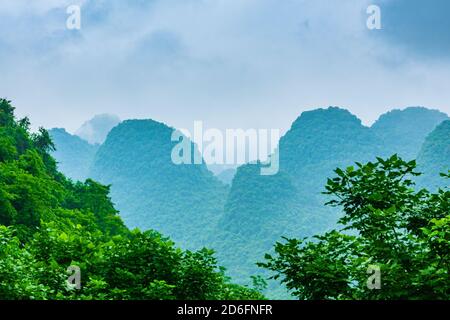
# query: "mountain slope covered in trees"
393,243
74,155
403,132
318,142
190,205
184,202
434,157
49,223
262,209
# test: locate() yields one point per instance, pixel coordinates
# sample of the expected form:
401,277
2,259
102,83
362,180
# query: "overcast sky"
230,63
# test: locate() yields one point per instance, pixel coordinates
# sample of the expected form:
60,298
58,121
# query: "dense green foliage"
49,223
319,141
256,217
405,233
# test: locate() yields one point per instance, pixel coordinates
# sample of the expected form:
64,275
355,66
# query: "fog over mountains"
240,213
95,130
74,154
182,201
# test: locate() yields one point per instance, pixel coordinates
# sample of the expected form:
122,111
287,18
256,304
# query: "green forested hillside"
184,202
434,157
261,209
393,243
318,142
403,132
242,222
254,212
49,223
74,155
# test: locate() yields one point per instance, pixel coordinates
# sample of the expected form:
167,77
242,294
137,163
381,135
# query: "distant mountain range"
260,210
74,155
95,130
75,152
241,213
184,202
434,156
404,131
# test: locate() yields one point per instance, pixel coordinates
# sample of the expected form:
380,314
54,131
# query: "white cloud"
37,7
231,63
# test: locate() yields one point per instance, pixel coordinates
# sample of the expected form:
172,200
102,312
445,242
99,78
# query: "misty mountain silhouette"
242,221
95,130
182,201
